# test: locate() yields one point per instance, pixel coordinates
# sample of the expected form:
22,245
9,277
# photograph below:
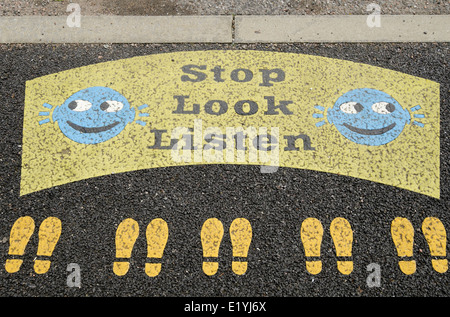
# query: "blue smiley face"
368,116
93,115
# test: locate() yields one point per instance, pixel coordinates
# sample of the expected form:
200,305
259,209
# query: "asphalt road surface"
275,204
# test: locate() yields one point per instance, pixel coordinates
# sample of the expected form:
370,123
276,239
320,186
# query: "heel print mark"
241,237
157,235
126,235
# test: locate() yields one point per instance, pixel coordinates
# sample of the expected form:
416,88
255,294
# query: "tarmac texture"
274,206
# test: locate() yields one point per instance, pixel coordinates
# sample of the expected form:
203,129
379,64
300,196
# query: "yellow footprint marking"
436,237
311,234
211,237
342,235
126,235
157,234
402,233
241,237
49,233
20,234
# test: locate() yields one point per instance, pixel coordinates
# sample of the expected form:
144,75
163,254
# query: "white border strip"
220,29
350,28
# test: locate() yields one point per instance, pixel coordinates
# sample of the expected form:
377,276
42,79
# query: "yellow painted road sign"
232,107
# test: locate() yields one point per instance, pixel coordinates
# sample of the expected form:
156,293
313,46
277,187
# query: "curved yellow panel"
232,107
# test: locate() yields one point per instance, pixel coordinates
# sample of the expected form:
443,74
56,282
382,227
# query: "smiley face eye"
383,107
111,106
351,107
79,105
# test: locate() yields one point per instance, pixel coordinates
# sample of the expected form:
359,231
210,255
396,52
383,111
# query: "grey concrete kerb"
225,29
116,29
348,28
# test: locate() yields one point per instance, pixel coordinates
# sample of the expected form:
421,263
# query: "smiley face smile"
92,130
370,131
